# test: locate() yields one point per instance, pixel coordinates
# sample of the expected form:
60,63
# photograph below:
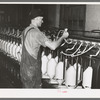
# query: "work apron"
30,69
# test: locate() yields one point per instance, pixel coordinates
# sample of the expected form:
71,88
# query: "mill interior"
75,64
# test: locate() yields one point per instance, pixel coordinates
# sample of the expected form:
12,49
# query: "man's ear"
36,18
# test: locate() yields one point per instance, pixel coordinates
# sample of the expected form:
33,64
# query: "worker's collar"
34,26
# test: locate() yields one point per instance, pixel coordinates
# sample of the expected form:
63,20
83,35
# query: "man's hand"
65,34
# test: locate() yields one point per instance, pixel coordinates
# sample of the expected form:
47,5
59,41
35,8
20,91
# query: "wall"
92,17
53,15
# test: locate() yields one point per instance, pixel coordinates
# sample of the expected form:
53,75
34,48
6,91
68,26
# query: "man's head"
36,17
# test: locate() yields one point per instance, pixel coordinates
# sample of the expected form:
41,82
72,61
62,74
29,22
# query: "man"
33,38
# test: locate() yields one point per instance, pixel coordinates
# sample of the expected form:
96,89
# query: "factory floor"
6,81
7,84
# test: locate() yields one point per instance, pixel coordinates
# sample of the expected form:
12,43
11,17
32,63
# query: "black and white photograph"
50,46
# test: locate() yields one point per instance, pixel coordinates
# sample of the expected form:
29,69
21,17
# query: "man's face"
39,21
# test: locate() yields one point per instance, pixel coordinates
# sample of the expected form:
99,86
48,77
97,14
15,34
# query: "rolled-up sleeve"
41,39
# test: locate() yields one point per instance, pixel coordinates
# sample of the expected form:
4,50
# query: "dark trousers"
30,75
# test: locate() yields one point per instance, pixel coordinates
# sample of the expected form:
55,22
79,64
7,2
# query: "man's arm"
54,44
